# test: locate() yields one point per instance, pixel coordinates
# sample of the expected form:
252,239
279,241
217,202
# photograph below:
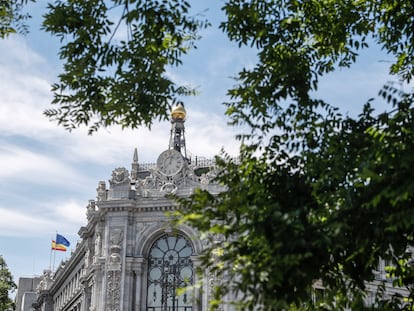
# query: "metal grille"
170,268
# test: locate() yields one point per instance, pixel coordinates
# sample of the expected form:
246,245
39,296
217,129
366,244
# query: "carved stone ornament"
87,257
140,227
97,246
214,280
120,176
116,238
140,235
113,291
113,279
90,209
45,281
208,178
160,184
169,187
101,191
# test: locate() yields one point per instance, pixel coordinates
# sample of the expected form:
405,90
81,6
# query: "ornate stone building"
129,257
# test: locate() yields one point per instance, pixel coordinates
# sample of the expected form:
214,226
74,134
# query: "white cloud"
21,164
69,212
24,91
114,145
18,55
25,94
14,223
207,134
36,154
42,218
19,224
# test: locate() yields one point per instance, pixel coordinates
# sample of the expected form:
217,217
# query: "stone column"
114,272
48,303
140,283
86,293
97,296
129,284
199,300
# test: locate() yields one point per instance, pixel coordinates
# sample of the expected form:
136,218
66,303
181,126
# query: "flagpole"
54,256
50,260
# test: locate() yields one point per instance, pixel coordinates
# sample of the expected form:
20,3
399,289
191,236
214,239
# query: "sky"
47,174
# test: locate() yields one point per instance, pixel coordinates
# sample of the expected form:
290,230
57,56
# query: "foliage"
262,236
299,41
316,195
6,286
12,19
116,54
326,213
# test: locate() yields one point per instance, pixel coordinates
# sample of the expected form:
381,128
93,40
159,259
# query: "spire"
177,138
134,166
135,157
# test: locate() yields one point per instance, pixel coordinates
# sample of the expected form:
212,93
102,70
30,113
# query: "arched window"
170,268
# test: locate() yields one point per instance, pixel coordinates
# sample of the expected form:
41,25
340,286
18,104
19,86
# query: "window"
170,268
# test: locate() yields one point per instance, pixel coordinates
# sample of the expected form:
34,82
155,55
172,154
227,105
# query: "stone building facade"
129,256
26,295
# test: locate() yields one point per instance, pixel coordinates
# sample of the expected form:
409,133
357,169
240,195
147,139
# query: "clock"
170,162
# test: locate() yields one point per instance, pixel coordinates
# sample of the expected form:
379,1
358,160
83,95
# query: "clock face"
170,162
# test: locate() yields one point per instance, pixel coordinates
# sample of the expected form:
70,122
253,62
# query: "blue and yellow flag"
58,247
60,239
60,243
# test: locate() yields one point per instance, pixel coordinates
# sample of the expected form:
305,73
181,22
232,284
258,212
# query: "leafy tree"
116,57
12,19
6,286
316,195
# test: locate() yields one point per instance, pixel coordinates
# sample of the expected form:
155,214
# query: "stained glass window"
170,268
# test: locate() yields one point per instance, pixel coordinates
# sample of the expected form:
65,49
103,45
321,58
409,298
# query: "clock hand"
167,161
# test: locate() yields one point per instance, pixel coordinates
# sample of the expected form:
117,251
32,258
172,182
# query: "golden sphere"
178,112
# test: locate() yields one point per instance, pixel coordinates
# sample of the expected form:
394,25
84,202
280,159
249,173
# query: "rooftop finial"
177,137
135,157
134,166
178,112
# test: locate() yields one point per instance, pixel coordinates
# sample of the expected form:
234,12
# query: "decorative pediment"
120,176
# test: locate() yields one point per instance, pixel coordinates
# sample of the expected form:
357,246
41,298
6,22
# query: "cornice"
160,204
73,261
